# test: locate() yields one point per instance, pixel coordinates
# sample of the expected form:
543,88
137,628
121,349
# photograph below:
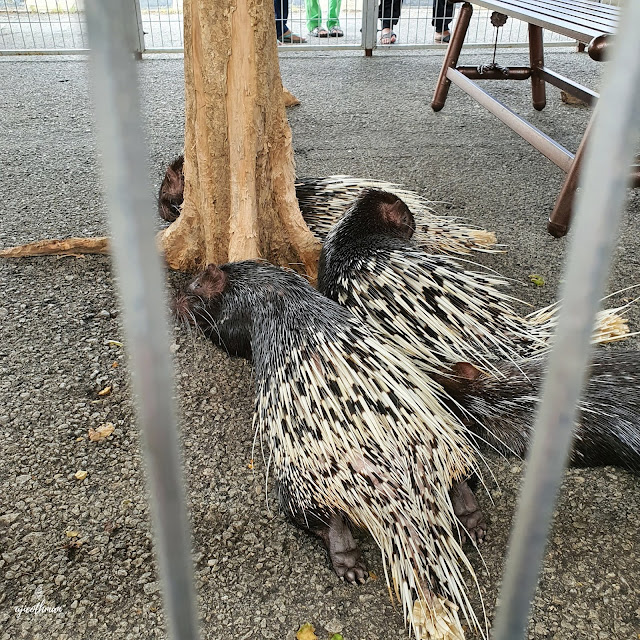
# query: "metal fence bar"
369,24
133,20
140,283
600,203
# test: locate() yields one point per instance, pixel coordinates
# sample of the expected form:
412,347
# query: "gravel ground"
83,547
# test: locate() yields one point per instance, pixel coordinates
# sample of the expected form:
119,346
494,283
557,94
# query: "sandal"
319,32
389,36
336,32
290,38
442,37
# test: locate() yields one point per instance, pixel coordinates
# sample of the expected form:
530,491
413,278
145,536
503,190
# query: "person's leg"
314,14
384,14
396,5
442,15
281,8
333,20
388,12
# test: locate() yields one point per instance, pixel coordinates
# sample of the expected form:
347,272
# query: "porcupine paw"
349,566
344,554
474,525
469,514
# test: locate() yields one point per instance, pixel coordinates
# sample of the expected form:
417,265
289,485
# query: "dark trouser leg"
442,15
281,8
389,13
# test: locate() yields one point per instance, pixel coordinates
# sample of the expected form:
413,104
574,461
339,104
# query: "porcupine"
426,307
323,201
499,409
354,431
432,307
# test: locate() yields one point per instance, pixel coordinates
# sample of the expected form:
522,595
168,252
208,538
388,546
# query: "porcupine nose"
181,308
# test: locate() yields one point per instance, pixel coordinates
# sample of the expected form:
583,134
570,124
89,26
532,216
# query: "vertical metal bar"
135,32
369,25
140,281
83,40
599,206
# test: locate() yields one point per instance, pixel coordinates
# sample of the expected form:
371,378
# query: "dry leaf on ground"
102,432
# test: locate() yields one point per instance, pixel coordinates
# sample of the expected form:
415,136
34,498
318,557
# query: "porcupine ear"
210,283
466,371
399,218
456,380
215,278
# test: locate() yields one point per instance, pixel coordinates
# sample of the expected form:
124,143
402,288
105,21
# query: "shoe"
390,36
319,32
289,37
442,37
336,32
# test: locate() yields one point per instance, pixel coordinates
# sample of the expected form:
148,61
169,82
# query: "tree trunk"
239,196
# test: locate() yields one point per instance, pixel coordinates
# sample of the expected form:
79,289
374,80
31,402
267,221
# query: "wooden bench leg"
561,216
451,56
536,60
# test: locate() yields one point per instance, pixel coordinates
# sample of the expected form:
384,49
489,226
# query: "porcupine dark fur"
435,308
322,202
353,430
500,409
171,193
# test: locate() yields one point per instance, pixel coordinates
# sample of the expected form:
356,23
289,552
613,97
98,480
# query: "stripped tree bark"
239,196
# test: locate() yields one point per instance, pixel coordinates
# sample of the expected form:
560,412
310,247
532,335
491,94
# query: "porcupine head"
171,192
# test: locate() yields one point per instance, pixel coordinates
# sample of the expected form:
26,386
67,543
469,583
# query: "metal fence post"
135,32
369,26
600,202
141,286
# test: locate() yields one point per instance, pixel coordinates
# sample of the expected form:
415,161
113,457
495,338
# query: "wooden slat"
532,12
596,8
577,18
586,13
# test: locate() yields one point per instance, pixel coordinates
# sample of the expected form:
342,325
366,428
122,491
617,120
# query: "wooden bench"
585,21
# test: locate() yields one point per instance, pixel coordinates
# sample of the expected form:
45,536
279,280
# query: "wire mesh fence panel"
58,25
162,24
42,25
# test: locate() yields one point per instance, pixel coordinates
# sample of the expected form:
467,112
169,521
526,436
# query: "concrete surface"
258,576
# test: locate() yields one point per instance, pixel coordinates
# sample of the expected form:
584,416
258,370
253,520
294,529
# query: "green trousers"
314,15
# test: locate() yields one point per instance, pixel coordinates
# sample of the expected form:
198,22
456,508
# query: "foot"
445,36
290,38
344,554
467,509
387,36
336,32
319,32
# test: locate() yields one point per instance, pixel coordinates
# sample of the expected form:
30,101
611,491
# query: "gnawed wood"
239,195
68,246
289,99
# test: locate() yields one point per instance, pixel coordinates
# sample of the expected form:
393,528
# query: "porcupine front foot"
468,512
